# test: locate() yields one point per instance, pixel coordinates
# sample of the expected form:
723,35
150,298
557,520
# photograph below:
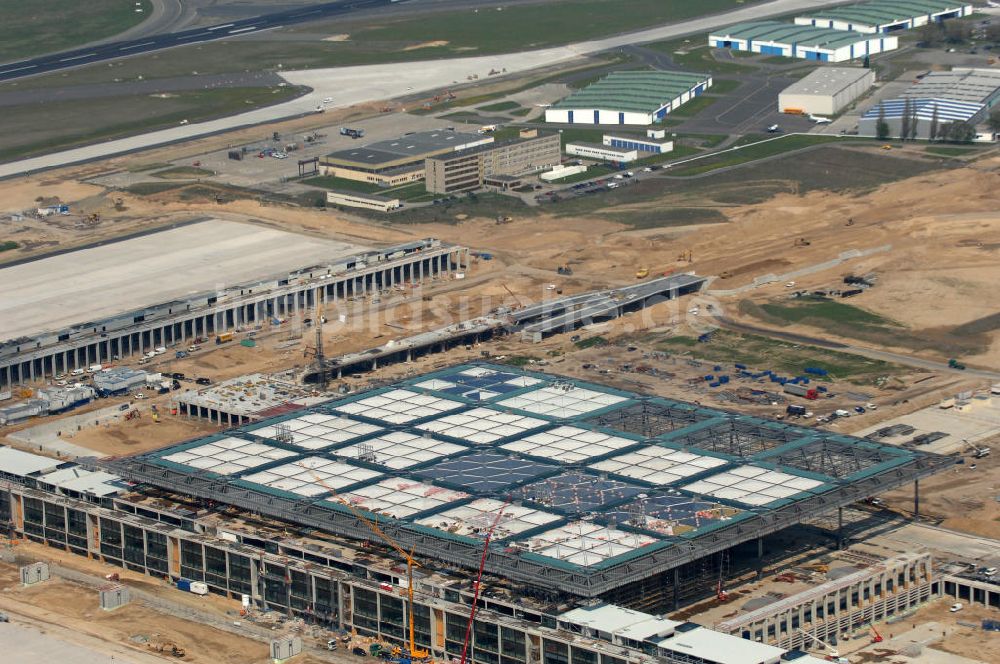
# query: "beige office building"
472,169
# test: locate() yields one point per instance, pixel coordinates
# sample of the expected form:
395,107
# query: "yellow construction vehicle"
642,273
415,654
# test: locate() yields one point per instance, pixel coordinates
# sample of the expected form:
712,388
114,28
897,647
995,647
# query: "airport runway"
117,49
348,86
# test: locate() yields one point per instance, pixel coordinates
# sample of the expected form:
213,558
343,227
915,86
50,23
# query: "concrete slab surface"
979,424
99,282
26,644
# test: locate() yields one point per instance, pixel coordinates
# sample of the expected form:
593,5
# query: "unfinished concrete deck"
99,282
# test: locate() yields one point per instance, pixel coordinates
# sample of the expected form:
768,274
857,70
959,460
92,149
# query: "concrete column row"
117,346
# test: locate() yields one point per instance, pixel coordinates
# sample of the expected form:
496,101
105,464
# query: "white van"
956,607
77,372
159,350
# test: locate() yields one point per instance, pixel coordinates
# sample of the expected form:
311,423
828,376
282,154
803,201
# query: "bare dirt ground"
70,611
60,603
962,499
939,271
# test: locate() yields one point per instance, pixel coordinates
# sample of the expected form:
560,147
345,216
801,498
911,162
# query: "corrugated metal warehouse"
826,90
800,41
881,16
960,95
629,98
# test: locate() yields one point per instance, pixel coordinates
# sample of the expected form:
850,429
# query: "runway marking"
233,32
11,71
125,48
77,57
219,27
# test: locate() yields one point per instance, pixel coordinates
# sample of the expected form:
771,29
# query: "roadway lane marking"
219,27
125,48
233,32
77,57
11,71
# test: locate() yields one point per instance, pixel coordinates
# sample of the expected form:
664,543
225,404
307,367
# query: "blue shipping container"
184,584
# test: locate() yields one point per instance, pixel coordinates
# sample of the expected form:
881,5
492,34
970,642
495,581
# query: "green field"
950,152
695,106
826,311
378,40
535,26
35,27
851,322
32,129
500,106
753,152
693,54
723,86
343,184
759,352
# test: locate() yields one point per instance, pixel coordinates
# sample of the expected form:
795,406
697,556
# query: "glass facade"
111,539
156,553
366,611
192,561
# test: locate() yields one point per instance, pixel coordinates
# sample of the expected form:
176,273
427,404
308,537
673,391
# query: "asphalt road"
348,86
117,49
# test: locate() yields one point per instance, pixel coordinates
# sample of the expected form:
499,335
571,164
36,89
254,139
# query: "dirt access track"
941,228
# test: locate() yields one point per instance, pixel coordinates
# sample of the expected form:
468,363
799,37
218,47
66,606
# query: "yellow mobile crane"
415,654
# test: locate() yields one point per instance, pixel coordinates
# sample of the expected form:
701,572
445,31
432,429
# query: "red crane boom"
479,579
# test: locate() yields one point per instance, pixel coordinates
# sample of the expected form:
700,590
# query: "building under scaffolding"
633,499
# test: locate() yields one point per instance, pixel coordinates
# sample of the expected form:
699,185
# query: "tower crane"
479,579
372,525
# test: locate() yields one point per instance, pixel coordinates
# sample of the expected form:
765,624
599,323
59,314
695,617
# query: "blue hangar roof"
948,110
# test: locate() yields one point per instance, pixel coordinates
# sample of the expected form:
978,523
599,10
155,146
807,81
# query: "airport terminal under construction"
598,502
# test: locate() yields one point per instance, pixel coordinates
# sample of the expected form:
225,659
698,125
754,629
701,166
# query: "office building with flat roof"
472,169
399,160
